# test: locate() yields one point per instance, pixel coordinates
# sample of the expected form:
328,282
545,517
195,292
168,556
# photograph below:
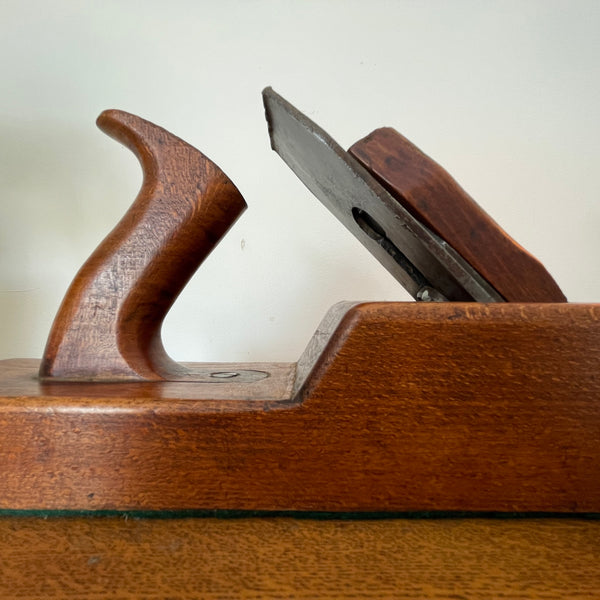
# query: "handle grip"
108,326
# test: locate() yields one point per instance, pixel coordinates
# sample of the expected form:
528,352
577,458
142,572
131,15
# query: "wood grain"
289,558
426,190
108,326
406,407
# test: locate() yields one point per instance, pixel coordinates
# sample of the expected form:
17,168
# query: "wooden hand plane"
485,398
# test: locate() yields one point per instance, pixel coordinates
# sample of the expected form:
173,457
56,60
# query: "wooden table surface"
117,557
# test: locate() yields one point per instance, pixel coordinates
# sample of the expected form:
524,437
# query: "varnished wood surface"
20,387
467,559
405,407
108,326
426,190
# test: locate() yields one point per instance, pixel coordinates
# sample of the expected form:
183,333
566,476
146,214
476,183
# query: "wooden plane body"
394,407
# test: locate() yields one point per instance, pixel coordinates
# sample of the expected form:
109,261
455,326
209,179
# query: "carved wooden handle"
426,190
108,326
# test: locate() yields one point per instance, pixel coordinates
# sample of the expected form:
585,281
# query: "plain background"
504,94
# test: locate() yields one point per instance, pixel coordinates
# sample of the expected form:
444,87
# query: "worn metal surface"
425,265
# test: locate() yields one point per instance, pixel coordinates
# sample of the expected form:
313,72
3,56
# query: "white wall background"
504,94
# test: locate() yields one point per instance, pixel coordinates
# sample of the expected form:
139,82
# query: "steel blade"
425,265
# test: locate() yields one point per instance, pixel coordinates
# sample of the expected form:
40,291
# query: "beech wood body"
394,407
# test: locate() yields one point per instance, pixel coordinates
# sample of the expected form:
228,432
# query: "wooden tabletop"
115,557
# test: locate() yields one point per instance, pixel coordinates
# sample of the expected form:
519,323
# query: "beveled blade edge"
341,183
